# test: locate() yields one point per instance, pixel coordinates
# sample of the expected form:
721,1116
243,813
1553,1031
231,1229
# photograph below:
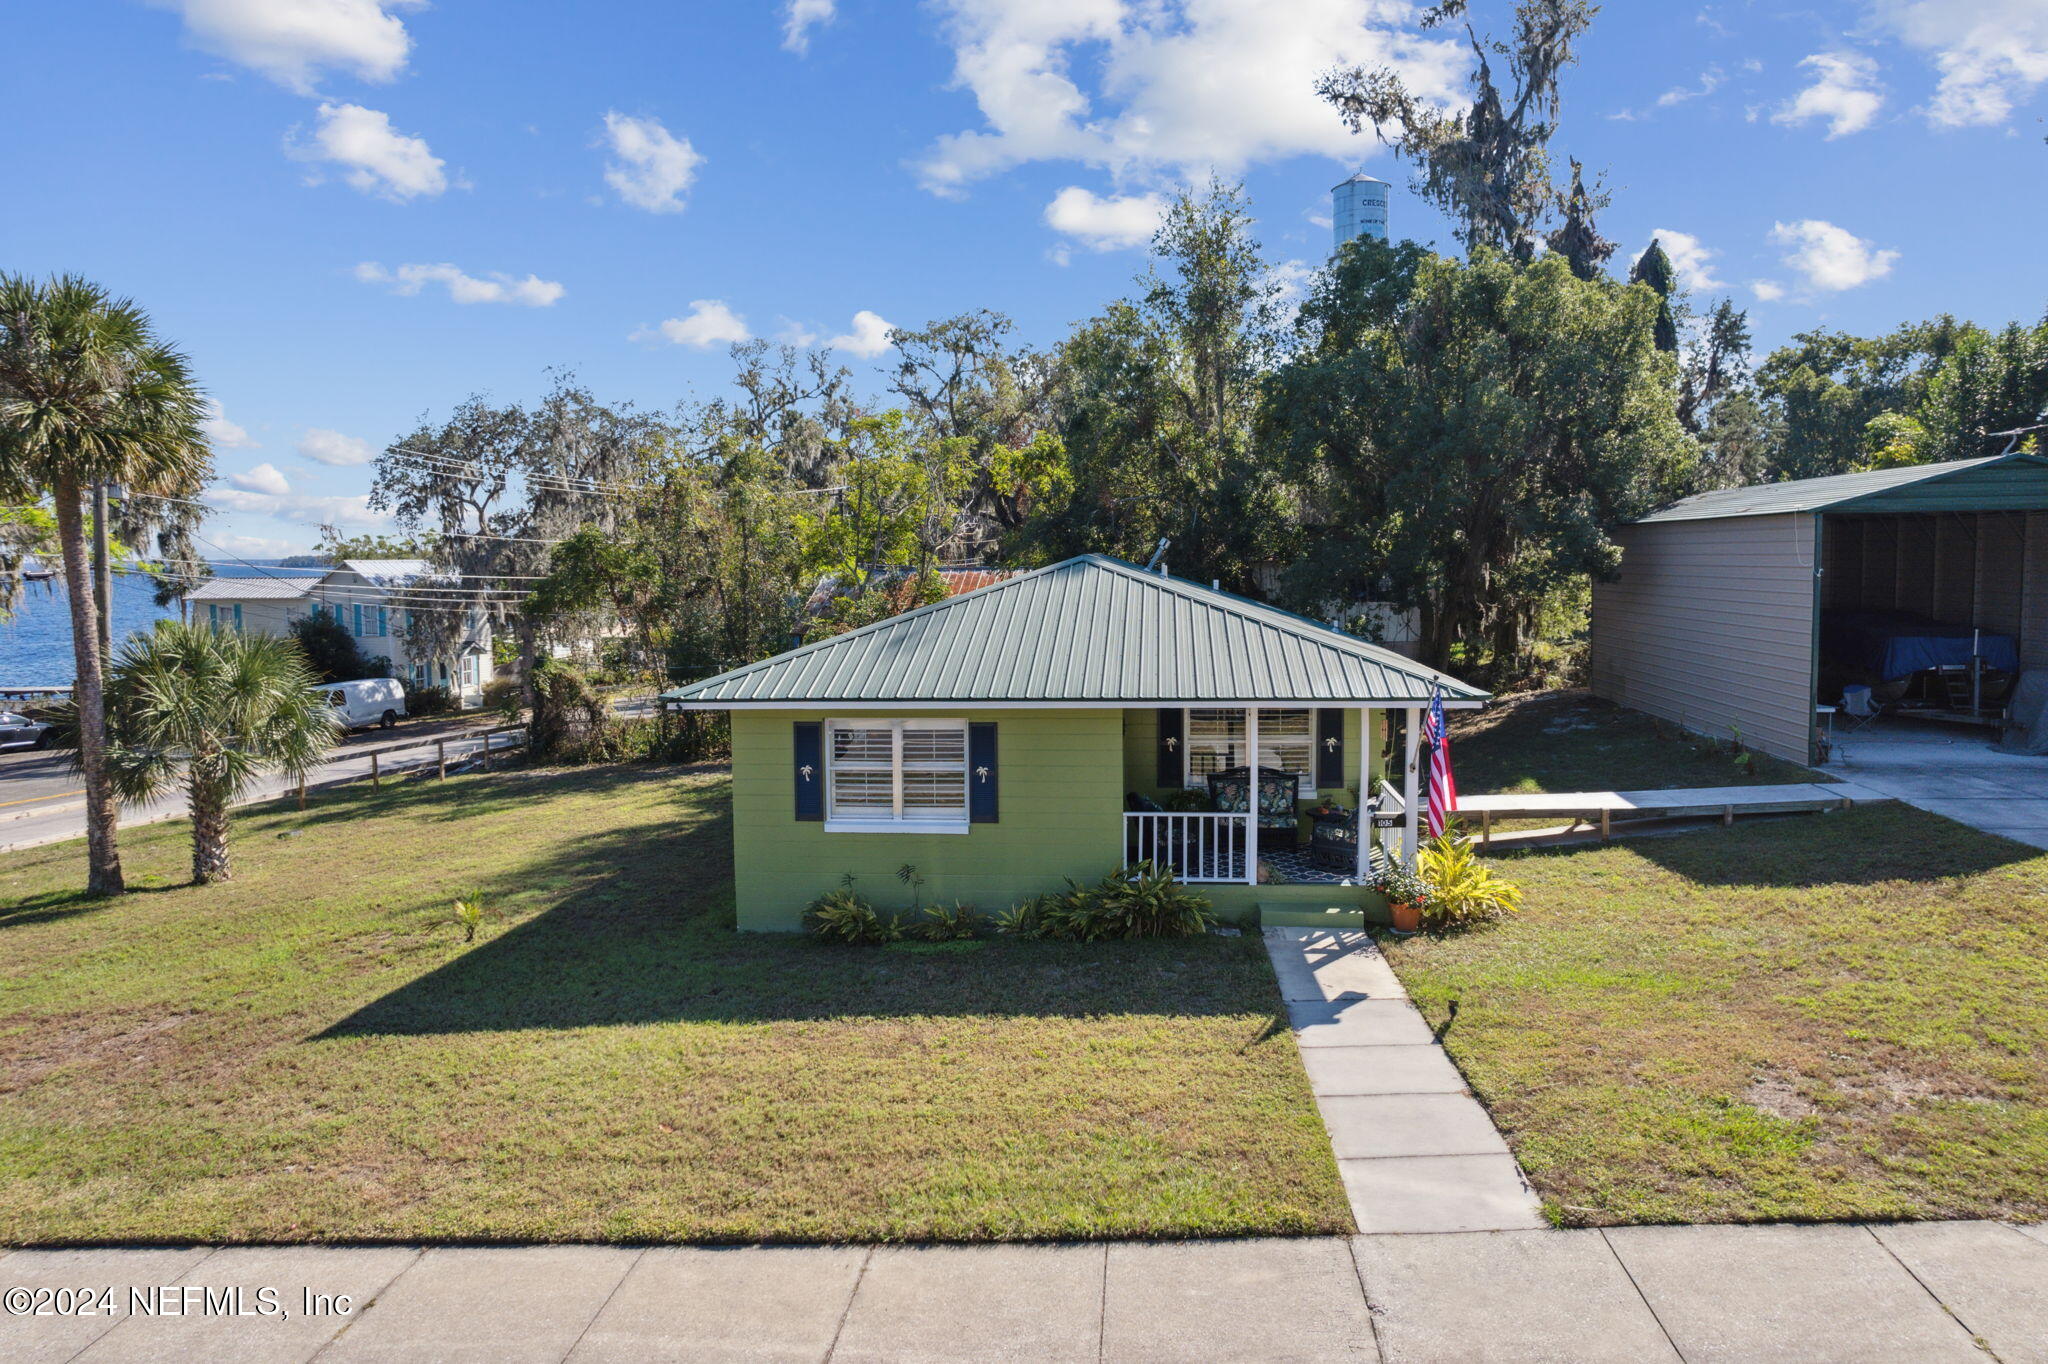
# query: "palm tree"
209,709
90,395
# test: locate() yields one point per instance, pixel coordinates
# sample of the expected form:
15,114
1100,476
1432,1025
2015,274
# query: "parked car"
371,701
18,731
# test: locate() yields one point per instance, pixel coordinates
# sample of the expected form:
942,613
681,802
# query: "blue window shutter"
1330,747
213,613
1172,721
238,615
383,622
981,773
809,769
359,620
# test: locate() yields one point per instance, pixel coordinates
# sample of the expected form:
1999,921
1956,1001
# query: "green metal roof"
1089,631
1996,483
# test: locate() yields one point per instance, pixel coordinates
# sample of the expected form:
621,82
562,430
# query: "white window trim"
1308,785
896,823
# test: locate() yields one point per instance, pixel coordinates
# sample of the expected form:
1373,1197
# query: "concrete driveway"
1951,770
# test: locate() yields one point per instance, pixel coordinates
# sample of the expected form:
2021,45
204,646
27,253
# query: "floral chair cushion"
1278,795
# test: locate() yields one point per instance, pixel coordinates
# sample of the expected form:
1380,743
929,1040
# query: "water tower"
1359,209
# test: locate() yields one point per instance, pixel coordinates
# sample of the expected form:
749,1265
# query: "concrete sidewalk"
1924,1293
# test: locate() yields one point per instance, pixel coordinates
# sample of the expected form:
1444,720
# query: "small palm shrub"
845,916
955,922
1463,889
1142,901
469,912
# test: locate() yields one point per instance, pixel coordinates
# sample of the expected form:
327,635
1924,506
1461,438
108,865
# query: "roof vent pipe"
1158,561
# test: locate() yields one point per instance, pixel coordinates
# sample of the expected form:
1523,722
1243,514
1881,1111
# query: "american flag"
1443,787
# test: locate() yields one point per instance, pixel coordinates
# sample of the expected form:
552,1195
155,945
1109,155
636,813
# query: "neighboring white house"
367,597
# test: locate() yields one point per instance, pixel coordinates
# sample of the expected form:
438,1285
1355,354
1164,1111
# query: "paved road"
1923,1293
52,808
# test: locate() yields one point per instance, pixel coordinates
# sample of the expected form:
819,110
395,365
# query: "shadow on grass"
1866,846
643,933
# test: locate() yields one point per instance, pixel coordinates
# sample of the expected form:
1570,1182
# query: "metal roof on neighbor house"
395,572
1088,631
251,589
1995,483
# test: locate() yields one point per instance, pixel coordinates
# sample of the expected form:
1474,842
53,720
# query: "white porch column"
1365,752
1251,818
1411,812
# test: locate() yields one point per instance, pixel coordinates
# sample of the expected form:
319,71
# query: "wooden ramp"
1605,808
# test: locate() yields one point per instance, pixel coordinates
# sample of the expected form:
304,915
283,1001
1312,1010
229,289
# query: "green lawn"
312,1053
1569,741
1828,1017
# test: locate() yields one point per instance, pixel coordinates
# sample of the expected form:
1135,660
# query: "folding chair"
1858,709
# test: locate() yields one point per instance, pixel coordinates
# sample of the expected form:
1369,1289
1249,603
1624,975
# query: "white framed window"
1215,740
900,776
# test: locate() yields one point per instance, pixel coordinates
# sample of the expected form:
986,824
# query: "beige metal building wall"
1710,626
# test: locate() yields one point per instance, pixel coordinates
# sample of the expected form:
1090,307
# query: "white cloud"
1767,290
303,509
264,478
331,447
531,292
799,17
1829,257
378,159
257,546
290,41
651,168
1844,92
1991,53
868,337
709,323
795,333
1711,80
221,432
1690,257
1289,280
1182,86
1105,223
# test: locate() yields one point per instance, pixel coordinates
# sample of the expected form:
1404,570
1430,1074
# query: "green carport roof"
1089,631
2016,482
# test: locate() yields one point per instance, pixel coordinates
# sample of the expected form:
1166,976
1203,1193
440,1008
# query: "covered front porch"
1272,795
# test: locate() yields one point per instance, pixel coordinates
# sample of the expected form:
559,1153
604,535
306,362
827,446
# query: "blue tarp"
1889,645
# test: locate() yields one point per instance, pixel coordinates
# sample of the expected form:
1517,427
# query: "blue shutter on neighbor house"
238,615
1330,747
383,622
1172,724
359,620
809,769
981,773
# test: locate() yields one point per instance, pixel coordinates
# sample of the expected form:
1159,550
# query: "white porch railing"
1196,846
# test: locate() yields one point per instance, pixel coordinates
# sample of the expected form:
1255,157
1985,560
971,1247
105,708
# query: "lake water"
35,646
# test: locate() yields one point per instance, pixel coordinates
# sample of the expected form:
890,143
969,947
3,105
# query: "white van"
372,701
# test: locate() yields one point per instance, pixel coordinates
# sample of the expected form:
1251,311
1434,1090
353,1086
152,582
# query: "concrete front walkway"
1923,1293
1416,1151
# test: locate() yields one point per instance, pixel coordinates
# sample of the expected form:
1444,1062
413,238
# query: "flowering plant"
1400,885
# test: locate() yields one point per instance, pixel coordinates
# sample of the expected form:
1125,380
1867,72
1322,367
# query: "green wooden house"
1052,726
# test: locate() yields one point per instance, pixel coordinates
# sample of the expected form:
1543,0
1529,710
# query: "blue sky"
356,212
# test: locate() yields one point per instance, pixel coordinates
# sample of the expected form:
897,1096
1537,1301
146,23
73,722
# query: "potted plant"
1406,894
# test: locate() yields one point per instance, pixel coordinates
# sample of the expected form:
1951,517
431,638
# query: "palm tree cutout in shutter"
806,770
981,772
1330,745
1171,743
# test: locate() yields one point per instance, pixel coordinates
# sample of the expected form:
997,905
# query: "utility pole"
102,573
